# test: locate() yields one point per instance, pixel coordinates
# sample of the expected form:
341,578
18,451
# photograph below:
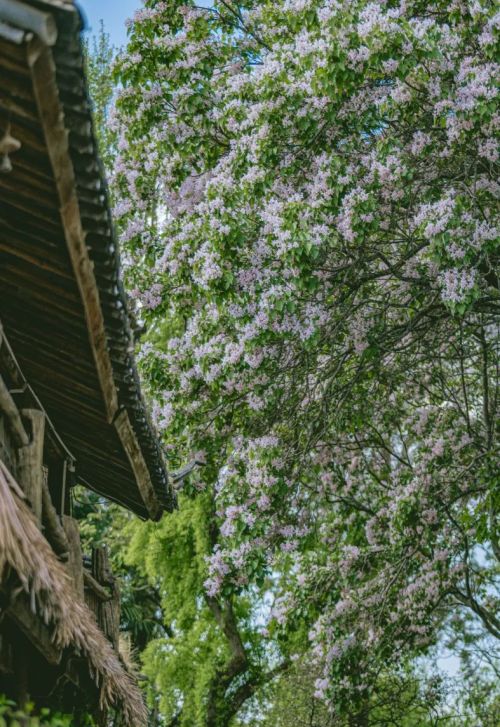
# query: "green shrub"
30,716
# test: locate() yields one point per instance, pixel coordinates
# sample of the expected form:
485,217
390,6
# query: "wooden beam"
91,584
11,413
43,72
13,35
54,531
108,611
51,113
22,16
136,459
6,655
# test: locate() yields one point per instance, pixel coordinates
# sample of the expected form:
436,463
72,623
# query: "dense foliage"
400,700
307,193
12,716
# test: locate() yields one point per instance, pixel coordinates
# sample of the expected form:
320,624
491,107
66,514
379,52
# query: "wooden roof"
62,304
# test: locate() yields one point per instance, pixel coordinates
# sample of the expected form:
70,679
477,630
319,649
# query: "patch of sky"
114,13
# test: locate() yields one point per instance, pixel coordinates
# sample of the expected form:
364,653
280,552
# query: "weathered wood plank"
6,656
28,18
108,610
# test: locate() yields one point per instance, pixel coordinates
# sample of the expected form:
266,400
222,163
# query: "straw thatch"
24,550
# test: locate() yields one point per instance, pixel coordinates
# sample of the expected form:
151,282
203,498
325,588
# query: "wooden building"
71,410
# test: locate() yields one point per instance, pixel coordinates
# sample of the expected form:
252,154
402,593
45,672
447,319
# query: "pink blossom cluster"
307,194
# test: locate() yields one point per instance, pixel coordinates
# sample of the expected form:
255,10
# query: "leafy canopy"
307,193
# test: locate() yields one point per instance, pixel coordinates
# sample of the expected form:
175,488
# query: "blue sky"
113,12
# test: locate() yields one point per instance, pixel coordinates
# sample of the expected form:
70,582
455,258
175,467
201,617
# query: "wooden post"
30,461
9,410
108,611
75,560
54,530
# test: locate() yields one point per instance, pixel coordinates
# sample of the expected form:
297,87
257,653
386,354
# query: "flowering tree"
100,55
307,196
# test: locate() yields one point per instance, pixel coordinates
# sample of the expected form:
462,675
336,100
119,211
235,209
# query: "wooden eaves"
61,298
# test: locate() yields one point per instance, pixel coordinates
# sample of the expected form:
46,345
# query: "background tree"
164,606
308,201
216,658
31,716
402,699
100,56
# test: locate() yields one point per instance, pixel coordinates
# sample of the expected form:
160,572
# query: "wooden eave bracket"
138,464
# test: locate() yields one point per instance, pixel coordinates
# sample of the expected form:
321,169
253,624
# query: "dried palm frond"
24,550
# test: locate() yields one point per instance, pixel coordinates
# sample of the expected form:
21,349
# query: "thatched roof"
24,551
61,298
